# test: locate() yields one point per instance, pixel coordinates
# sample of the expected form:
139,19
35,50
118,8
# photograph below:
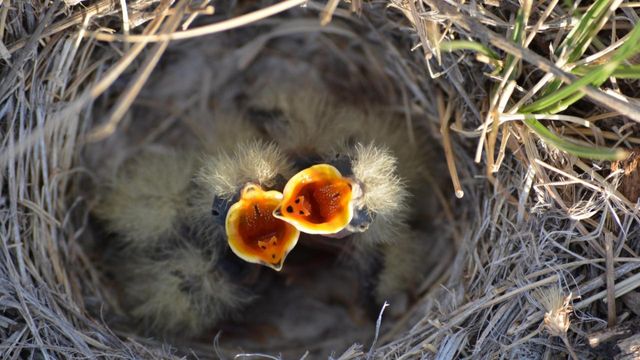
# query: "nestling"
178,266
359,178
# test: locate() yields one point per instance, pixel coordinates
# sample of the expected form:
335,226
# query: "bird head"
241,184
254,234
320,200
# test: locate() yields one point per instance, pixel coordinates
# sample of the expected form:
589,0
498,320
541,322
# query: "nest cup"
66,270
198,88
519,267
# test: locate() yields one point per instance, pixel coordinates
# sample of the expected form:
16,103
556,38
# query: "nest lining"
300,310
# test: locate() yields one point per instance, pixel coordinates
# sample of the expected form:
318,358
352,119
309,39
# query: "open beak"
317,200
254,234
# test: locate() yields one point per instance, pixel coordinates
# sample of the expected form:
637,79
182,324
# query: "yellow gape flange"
317,200
254,234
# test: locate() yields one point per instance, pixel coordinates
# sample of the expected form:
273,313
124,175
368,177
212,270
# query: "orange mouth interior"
254,234
317,200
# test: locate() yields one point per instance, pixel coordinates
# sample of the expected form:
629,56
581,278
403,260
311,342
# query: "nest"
537,235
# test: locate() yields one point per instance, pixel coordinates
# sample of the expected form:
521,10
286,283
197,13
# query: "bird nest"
528,105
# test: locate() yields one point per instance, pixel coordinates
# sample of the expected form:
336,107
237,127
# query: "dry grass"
545,235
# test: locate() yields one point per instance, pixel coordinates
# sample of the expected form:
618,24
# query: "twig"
128,96
236,22
99,8
125,19
327,12
378,325
611,281
567,344
445,115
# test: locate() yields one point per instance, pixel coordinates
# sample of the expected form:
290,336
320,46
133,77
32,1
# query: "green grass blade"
454,45
581,36
627,72
581,151
561,99
589,25
518,32
565,92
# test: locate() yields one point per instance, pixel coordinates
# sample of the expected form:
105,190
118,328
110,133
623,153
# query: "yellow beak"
254,234
317,200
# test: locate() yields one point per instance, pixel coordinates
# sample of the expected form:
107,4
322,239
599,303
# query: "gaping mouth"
317,200
254,234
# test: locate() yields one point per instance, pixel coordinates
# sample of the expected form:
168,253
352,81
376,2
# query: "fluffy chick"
180,289
366,146
372,150
170,255
236,185
147,198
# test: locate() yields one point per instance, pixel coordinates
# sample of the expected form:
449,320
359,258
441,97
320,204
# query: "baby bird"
349,179
175,216
321,199
236,186
358,177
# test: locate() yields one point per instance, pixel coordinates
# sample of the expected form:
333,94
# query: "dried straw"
539,220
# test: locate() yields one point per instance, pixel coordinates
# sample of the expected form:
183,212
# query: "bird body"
191,226
148,198
372,150
170,255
